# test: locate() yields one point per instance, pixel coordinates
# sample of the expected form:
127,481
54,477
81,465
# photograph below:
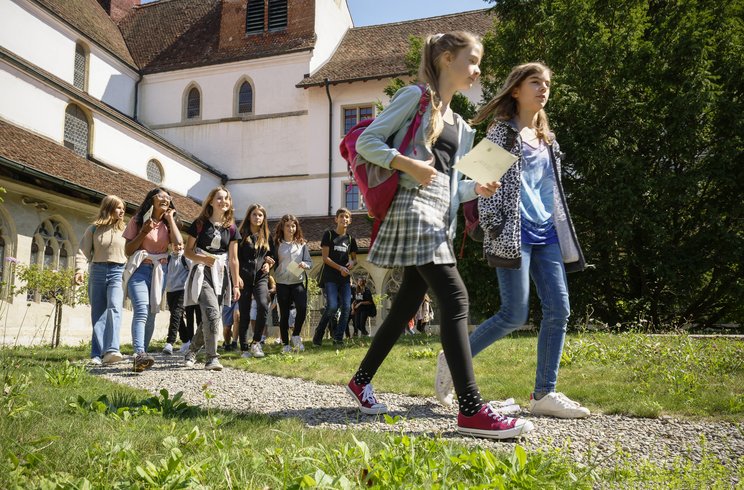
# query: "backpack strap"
416,122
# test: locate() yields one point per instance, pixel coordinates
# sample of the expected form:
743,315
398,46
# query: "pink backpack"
377,184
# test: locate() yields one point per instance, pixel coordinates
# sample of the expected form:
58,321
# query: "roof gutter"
306,85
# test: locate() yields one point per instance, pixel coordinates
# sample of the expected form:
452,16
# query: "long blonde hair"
503,107
206,211
262,239
429,70
106,213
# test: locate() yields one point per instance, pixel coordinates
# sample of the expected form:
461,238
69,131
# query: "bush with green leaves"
646,103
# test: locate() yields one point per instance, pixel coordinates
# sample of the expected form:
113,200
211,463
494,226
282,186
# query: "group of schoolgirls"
232,264
219,264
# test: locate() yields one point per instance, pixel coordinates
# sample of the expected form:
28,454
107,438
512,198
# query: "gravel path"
329,406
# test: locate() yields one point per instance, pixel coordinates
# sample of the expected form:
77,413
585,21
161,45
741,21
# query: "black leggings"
286,294
452,296
260,292
177,325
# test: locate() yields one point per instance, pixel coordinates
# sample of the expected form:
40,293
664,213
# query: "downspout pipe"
136,96
330,146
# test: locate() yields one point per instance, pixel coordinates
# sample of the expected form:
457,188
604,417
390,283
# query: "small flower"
206,385
12,260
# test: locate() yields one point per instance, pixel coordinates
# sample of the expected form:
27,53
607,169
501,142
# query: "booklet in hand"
294,269
486,162
147,215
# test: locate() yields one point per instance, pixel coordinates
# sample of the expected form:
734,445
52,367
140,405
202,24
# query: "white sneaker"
95,361
168,349
286,349
112,357
190,359
297,343
213,365
443,387
185,347
558,405
254,351
504,406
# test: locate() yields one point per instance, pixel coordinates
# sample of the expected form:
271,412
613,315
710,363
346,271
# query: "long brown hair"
429,70
262,239
503,107
106,213
298,237
205,215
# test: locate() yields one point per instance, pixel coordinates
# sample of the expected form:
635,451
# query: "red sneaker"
364,395
491,424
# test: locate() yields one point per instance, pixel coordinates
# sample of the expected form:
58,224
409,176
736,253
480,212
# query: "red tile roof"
176,34
89,18
48,157
313,228
376,52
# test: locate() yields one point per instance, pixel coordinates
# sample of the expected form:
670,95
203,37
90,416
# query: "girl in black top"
256,254
213,279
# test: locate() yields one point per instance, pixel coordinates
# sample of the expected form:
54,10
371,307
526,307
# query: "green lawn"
63,428
631,374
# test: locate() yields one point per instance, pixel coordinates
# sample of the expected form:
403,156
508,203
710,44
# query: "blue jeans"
333,290
545,265
143,320
106,297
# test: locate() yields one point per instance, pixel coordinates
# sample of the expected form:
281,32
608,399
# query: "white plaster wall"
300,197
110,83
248,149
37,37
31,105
28,32
332,20
124,149
162,95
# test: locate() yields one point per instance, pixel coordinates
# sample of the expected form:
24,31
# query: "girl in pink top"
148,235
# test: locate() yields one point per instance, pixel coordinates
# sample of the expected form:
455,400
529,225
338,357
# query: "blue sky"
369,12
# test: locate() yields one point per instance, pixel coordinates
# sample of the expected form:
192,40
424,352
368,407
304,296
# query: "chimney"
232,23
118,9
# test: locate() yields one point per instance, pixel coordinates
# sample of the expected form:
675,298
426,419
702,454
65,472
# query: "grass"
633,374
61,427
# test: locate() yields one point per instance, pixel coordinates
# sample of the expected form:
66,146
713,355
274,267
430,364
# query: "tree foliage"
647,104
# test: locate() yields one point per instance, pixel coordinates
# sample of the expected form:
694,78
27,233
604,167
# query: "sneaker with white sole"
297,344
443,387
190,359
286,349
142,361
364,395
95,361
213,365
505,406
185,347
488,423
112,357
254,350
558,405
168,349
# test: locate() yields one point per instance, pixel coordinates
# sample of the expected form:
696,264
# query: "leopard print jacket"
500,216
